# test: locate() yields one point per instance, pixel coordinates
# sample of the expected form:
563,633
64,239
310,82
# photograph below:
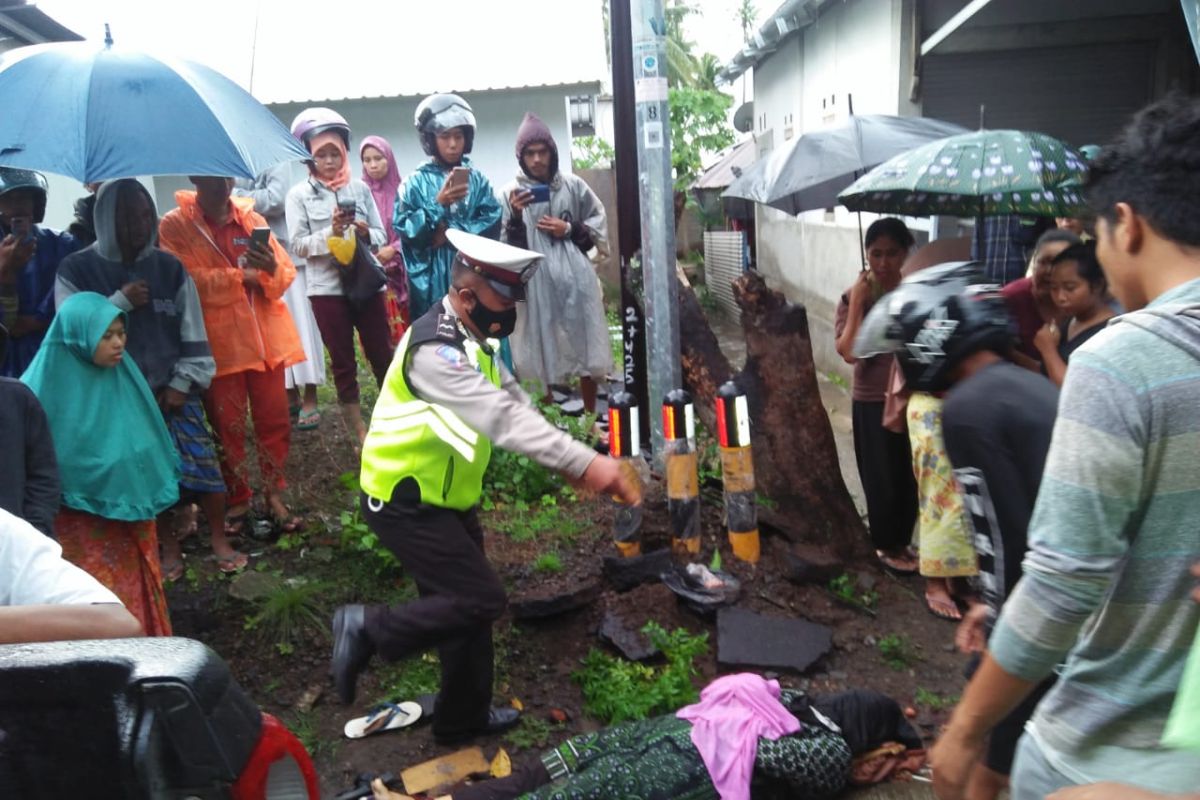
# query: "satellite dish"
743,118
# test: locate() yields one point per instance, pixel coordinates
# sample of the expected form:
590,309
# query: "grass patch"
550,562
934,701
616,690
525,524
837,380
303,724
897,651
410,678
290,613
847,589
532,733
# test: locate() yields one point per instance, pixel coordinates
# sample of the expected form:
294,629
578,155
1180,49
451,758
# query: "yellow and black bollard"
737,467
624,443
683,481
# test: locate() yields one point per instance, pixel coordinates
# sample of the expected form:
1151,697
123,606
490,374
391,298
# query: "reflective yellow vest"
410,438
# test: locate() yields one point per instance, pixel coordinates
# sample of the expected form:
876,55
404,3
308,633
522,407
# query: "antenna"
108,40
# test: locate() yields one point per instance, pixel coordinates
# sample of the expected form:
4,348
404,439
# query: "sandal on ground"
290,524
231,564
943,608
383,717
239,525
172,570
308,420
897,565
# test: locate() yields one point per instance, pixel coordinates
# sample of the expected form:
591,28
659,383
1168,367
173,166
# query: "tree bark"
795,457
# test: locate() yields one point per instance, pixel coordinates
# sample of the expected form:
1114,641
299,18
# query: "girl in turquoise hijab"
117,464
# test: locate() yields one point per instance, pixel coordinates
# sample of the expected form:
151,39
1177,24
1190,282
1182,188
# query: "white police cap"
506,268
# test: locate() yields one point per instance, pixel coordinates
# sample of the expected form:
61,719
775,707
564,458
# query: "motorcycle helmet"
311,121
14,179
442,112
933,320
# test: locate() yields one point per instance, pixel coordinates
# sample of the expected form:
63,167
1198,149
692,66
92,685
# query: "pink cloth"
733,713
334,138
384,191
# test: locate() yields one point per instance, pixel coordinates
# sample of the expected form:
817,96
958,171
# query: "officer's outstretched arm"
441,374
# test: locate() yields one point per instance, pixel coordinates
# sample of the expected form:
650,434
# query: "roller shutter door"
1081,95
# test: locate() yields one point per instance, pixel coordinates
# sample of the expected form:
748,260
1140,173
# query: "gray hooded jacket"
166,335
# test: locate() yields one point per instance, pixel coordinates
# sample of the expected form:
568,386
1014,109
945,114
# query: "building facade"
1075,69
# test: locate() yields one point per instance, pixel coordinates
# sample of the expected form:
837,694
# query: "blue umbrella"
97,112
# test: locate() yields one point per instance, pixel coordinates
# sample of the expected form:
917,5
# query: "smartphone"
459,176
22,228
540,192
348,207
261,237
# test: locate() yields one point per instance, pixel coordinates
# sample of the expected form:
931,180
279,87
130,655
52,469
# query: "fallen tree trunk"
795,457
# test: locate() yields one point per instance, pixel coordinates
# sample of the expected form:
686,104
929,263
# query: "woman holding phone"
329,204
884,457
443,192
381,174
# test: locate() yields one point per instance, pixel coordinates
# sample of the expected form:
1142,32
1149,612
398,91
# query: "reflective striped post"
683,481
624,443
737,468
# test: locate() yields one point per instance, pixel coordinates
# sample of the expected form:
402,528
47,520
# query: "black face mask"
493,324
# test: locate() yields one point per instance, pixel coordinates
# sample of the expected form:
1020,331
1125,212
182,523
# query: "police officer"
447,397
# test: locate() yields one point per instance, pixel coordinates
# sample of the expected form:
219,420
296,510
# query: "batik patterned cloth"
946,547
200,471
124,557
655,759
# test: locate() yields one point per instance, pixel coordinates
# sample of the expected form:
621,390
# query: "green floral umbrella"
977,174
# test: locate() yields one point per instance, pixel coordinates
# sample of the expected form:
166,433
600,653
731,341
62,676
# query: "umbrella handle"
862,246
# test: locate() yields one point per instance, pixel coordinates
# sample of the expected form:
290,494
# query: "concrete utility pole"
648,28
629,217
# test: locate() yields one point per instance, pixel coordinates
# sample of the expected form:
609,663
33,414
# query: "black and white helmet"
14,179
442,112
933,320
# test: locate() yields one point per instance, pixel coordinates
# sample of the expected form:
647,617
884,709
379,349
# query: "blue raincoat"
416,218
35,297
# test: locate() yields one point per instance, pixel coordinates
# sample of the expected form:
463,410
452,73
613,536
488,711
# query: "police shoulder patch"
452,355
447,328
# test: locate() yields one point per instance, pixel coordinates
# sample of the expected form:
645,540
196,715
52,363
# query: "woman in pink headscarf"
382,177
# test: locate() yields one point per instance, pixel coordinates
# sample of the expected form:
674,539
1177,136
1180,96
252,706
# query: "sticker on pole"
649,65
654,135
650,90
741,412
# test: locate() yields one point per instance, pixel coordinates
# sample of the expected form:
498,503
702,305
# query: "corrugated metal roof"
582,85
30,25
408,49
791,16
729,166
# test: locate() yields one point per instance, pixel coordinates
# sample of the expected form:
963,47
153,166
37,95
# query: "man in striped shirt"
1106,584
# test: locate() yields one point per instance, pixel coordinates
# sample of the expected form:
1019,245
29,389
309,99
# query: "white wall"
497,114
779,93
854,48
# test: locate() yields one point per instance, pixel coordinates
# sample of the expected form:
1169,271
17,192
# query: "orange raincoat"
245,332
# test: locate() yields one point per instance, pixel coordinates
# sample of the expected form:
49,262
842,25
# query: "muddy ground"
273,628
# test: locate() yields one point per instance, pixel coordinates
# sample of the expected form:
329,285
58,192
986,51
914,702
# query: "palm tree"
746,15
707,70
682,66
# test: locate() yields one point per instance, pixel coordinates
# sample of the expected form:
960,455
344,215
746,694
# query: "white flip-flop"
383,717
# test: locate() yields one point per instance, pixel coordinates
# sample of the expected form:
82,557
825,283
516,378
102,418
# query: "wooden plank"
445,771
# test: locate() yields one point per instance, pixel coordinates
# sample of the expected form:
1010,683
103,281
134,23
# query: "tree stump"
795,458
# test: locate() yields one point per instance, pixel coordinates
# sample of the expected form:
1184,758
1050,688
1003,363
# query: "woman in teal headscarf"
116,461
